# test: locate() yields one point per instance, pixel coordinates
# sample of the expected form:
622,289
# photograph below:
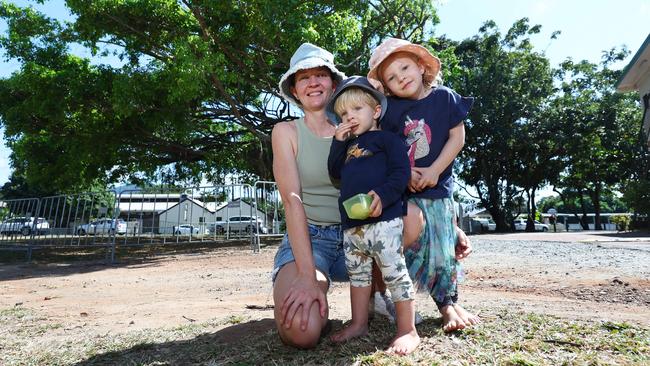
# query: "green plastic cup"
358,206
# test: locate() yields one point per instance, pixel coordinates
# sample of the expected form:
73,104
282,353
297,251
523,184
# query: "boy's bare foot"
349,332
404,344
467,317
451,321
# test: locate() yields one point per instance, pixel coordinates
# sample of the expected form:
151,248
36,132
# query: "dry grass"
504,338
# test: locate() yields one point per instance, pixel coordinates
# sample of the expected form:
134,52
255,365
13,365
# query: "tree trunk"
567,204
530,225
583,219
595,198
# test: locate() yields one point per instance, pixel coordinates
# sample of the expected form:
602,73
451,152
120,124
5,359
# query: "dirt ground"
572,275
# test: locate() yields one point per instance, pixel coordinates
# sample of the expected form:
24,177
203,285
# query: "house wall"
186,212
238,208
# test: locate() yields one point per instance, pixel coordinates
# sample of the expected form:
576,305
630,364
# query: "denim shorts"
327,248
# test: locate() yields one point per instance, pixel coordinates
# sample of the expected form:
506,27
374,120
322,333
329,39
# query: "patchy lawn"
505,338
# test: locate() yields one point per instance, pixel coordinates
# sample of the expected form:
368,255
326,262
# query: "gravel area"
602,272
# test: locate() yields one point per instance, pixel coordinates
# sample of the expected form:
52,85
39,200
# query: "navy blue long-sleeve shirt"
375,161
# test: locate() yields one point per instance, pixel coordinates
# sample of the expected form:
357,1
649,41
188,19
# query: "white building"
160,212
636,77
237,207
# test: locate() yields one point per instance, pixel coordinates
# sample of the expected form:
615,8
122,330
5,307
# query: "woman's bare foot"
451,321
404,344
467,317
349,332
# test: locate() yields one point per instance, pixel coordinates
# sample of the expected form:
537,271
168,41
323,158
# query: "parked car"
25,226
486,224
102,226
520,225
239,224
187,229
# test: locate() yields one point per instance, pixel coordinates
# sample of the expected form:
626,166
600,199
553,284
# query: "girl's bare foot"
404,344
349,332
451,321
467,317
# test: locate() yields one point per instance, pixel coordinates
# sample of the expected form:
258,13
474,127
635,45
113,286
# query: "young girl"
429,118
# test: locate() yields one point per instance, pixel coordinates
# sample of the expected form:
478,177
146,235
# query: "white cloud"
540,8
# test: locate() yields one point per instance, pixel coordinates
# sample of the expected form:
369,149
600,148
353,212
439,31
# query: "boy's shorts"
382,242
327,249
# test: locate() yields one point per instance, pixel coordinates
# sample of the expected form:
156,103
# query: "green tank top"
319,196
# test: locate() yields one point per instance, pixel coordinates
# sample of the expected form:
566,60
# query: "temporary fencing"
112,219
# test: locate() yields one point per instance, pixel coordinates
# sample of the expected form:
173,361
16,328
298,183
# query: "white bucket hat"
307,56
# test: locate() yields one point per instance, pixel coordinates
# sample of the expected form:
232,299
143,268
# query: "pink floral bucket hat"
392,45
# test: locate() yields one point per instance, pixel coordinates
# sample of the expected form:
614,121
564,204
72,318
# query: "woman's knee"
296,337
293,335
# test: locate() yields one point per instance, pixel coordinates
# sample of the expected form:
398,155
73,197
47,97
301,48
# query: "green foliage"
636,193
195,96
595,121
636,188
622,222
506,144
609,203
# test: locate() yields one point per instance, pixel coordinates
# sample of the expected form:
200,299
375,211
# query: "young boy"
429,119
368,160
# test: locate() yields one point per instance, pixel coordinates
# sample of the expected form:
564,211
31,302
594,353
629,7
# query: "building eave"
636,69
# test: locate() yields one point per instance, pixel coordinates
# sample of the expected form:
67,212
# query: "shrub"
622,222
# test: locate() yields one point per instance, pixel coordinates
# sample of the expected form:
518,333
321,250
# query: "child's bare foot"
451,321
467,317
404,344
349,332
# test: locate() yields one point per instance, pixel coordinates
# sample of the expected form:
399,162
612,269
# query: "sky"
587,28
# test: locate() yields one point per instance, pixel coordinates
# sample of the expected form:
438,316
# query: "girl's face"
313,87
402,75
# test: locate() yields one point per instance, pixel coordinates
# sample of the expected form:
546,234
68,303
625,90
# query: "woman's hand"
304,292
375,207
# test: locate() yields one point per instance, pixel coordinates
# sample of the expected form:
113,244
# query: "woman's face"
313,87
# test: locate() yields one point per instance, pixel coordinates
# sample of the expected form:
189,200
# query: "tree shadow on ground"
66,261
624,234
255,343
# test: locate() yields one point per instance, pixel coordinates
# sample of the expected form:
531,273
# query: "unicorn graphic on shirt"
418,137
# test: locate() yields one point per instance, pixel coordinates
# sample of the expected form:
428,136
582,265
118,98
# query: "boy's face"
402,75
360,116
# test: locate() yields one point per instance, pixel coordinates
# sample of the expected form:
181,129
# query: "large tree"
510,82
195,95
599,127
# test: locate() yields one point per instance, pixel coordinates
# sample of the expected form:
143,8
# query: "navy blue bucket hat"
360,82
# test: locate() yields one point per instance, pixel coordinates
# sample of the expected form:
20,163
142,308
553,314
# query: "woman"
311,254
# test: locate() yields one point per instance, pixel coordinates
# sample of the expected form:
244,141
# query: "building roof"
636,70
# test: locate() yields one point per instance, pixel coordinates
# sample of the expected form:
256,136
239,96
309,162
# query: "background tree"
636,187
608,203
195,96
510,82
597,120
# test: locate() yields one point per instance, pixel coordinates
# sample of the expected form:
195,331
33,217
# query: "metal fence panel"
134,218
